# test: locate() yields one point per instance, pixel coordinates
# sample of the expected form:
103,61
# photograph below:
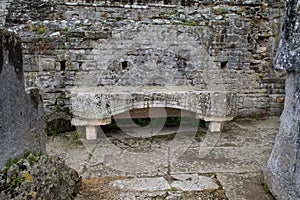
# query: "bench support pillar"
91,126
215,126
91,132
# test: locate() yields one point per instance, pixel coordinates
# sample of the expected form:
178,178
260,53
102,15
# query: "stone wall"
282,173
21,113
209,45
4,6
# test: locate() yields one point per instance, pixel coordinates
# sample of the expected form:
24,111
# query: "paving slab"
142,184
221,159
245,186
173,164
193,182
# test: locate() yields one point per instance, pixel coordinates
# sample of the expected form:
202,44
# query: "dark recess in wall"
124,65
223,64
62,65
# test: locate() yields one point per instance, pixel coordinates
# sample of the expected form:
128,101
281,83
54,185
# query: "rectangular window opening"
62,65
124,65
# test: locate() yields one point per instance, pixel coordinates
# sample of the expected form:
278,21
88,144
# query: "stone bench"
95,106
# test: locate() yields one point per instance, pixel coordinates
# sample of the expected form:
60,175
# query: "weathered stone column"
21,113
282,174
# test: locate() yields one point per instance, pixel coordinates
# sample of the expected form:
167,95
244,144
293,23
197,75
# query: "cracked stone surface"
174,163
143,184
243,186
193,182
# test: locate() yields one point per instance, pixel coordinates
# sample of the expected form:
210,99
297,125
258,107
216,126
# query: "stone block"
215,126
21,113
91,132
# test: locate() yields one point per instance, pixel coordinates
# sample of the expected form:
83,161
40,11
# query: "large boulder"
21,113
282,174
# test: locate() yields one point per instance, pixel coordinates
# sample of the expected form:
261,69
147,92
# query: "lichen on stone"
38,176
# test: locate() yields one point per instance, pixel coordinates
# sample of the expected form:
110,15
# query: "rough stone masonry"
21,113
282,173
208,45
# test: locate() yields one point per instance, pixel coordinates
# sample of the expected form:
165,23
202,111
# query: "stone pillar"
91,126
21,112
282,173
215,126
91,132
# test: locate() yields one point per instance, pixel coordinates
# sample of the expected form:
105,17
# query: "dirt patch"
100,188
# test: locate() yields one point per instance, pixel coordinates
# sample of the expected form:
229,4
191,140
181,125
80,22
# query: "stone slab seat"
94,106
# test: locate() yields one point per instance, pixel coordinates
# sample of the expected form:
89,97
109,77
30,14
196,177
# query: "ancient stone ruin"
21,116
213,47
282,173
94,60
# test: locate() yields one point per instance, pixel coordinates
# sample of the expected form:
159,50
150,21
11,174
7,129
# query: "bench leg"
91,132
215,126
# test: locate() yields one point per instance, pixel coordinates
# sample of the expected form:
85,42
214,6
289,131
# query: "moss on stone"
41,30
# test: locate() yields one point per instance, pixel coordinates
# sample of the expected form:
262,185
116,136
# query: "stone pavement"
173,163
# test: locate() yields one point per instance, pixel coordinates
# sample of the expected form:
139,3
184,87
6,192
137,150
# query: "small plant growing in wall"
184,23
64,30
218,11
104,15
75,135
53,134
240,12
60,97
166,14
63,47
200,133
173,189
66,110
57,108
255,115
191,23
41,30
266,189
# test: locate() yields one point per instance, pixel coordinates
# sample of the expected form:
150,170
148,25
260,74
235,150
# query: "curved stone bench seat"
94,106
